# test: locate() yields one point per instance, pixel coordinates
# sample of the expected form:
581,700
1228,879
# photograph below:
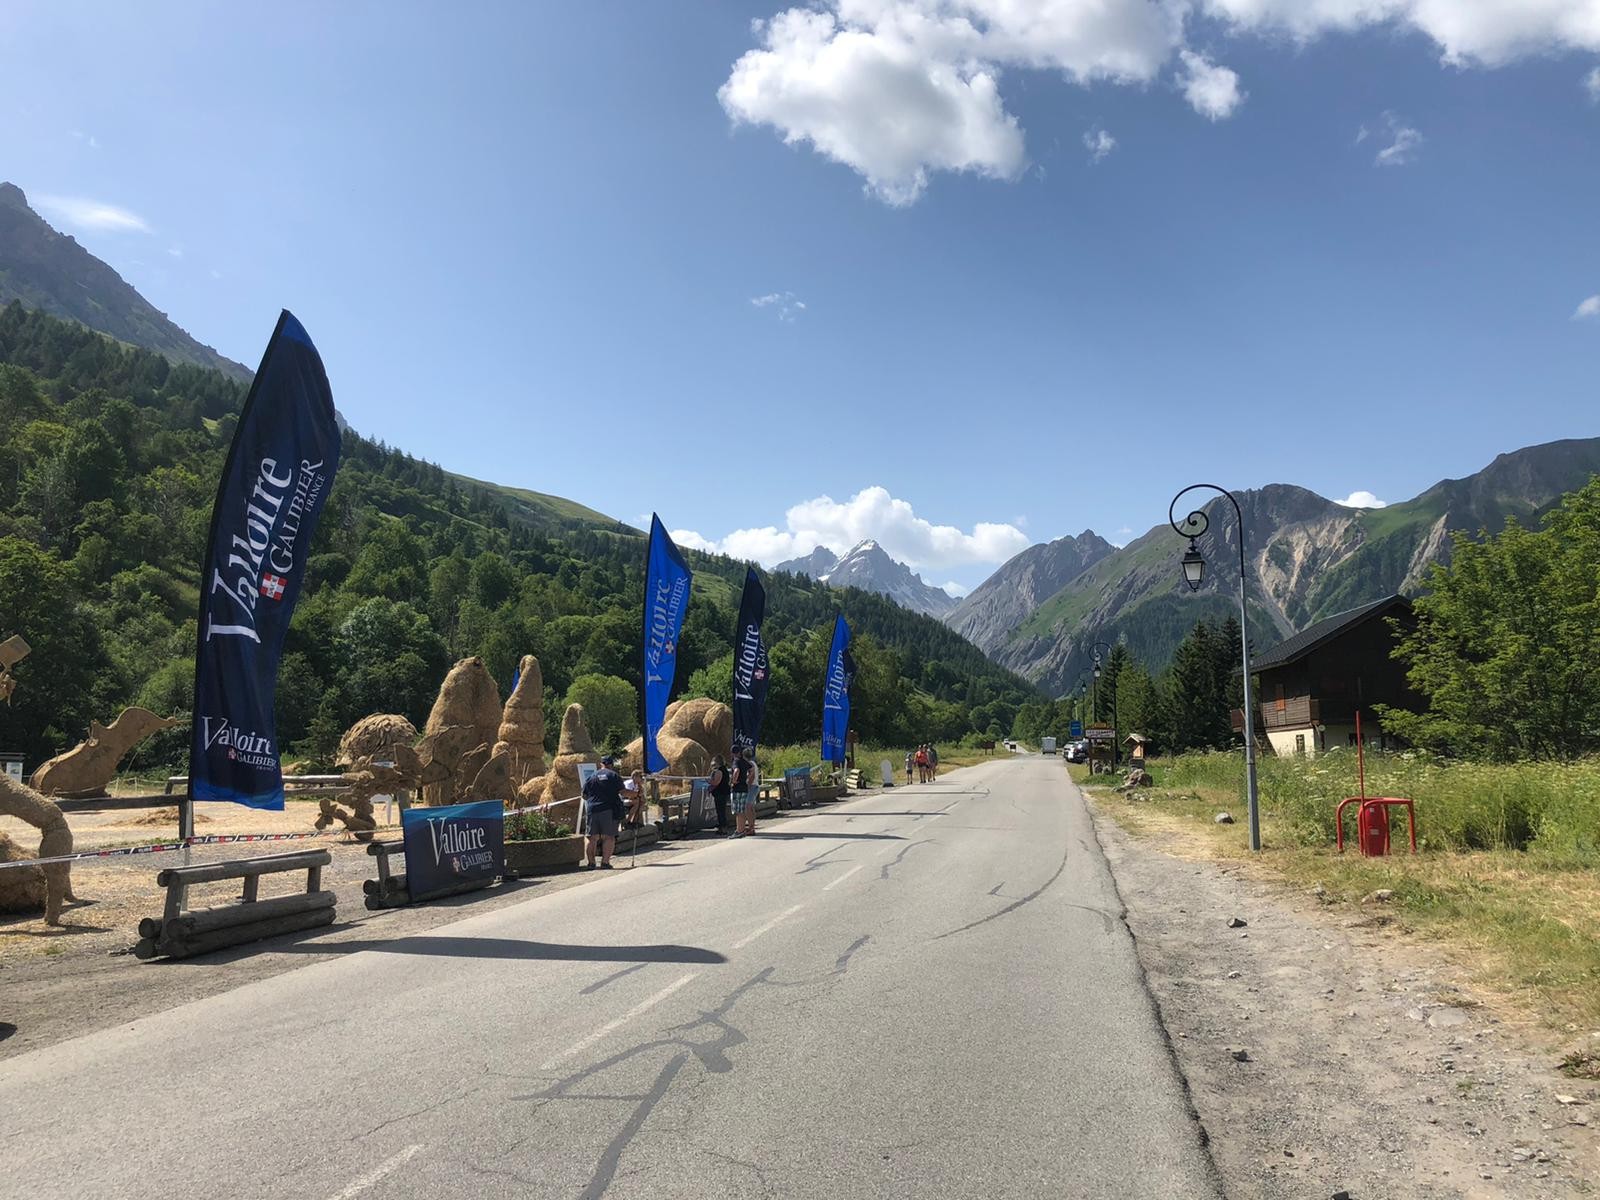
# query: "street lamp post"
1194,569
1097,647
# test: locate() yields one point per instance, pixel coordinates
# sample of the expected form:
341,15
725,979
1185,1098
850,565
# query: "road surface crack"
1015,904
905,850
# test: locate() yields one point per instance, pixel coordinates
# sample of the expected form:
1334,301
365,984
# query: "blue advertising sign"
1075,729
836,693
749,666
666,598
454,844
278,475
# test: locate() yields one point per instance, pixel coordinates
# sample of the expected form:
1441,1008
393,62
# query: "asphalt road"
925,992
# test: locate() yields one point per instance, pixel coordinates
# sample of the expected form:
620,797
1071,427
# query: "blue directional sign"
1076,730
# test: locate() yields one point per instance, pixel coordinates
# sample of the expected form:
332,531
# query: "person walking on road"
933,762
602,811
911,766
719,793
922,764
744,795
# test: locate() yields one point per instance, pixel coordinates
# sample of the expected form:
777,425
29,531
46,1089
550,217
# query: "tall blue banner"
666,598
749,666
836,694
453,844
277,477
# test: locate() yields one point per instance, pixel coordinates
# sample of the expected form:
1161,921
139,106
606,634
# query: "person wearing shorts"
743,798
602,812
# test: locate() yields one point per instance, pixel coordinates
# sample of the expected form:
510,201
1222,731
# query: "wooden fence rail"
183,931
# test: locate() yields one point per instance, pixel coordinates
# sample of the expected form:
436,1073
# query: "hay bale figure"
468,702
17,800
692,733
521,734
372,737
560,784
22,889
367,778
88,767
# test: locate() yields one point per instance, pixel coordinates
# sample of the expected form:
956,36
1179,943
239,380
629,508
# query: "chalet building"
1312,685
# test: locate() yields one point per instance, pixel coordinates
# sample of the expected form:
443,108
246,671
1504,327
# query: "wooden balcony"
1298,712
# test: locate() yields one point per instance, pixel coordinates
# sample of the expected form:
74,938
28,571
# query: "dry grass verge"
1527,926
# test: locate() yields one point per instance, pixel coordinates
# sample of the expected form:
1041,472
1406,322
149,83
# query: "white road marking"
633,1012
387,1166
842,878
750,937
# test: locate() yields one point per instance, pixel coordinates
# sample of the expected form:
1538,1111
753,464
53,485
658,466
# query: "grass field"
1507,878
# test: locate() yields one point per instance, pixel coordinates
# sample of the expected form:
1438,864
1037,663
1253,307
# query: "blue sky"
1022,269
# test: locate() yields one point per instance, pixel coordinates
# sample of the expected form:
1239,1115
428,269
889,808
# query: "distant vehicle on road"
1047,745
1076,752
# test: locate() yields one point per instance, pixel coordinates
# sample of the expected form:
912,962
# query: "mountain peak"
868,566
49,271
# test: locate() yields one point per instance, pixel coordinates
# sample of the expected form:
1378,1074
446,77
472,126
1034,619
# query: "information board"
797,785
702,806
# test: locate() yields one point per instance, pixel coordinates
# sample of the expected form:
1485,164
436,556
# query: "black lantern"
1194,567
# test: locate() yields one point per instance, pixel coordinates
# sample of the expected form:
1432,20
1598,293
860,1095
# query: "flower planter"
543,857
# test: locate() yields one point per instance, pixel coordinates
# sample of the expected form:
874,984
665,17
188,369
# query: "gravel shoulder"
1327,1053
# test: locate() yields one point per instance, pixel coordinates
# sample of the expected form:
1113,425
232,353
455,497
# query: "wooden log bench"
182,931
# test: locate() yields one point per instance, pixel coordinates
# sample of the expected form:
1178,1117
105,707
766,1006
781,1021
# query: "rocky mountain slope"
868,566
49,271
1307,558
1003,601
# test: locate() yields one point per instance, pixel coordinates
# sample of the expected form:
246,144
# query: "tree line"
109,457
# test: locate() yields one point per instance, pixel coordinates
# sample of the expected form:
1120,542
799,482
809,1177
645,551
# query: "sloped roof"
1309,638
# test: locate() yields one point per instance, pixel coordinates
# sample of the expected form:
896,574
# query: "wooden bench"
182,931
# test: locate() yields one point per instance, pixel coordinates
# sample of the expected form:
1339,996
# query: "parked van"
1047,745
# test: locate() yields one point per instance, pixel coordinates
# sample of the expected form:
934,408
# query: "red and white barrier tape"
207,839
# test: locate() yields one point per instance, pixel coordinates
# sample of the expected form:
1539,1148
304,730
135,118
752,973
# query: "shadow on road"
470,947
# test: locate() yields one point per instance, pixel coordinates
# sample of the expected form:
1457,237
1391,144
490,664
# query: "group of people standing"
734,787
922,764
611,803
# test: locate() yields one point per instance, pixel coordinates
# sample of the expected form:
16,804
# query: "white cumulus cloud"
1467,32
1362,499
93,215
1098,143
1212,91
954,589
1403,142
1588,309
870,513
786,304
900,89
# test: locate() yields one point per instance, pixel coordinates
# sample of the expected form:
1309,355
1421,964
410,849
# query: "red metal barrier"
1372,823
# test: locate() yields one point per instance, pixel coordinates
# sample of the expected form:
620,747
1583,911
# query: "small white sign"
888,772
